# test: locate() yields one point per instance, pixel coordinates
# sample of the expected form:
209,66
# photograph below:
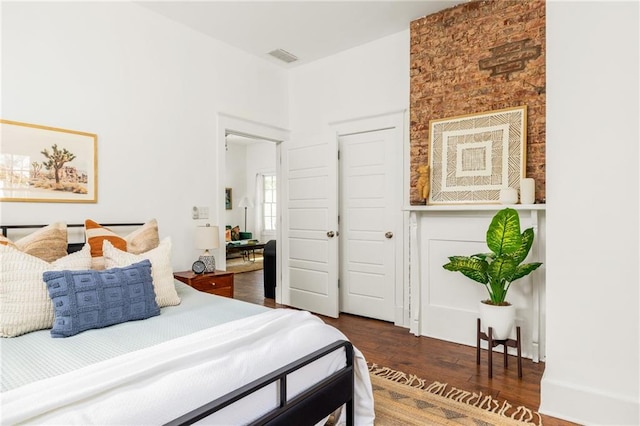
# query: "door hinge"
338,154
338,282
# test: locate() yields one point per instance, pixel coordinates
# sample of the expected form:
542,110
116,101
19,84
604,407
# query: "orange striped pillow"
139,241
97,233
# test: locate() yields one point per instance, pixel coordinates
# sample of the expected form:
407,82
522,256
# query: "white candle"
527,191
508,196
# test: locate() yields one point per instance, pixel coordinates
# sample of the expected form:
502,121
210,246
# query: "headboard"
71,247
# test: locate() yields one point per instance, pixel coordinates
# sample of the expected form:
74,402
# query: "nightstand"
218,282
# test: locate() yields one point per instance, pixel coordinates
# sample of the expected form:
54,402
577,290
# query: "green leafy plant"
498,269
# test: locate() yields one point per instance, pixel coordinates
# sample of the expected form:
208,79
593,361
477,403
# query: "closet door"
368,205
310,276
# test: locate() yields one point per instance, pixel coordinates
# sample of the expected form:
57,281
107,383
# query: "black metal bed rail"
309,407
5,228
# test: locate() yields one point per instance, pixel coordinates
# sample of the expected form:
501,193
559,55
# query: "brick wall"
478,57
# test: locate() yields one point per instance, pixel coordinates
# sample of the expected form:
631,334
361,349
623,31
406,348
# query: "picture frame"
227,199
472,157
47,164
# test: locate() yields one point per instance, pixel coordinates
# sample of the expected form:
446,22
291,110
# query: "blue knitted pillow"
88,299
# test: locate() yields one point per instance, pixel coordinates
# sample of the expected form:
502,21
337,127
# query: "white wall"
592,370
368,80
150,89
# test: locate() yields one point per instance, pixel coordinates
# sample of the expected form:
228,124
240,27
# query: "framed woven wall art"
472,157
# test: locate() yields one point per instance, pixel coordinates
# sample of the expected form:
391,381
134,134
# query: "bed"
208,359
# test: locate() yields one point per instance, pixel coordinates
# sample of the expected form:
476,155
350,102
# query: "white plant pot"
499,318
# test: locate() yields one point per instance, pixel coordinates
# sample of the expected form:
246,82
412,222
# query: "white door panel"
312,188
367,187
368,170
308,219
306,158
367,285
367,219
308,249
310,281
311,255
366,253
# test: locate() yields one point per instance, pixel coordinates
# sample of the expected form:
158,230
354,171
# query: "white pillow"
161,270
24,300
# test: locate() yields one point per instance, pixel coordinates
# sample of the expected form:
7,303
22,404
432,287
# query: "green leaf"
477,276
524,270
503,235
527,240
475,269
502,269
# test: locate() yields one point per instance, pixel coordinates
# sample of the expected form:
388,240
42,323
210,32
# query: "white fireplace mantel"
443,304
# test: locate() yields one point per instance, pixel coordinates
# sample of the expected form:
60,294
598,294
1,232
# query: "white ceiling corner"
308,29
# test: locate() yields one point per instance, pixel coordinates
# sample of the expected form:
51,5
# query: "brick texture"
478,57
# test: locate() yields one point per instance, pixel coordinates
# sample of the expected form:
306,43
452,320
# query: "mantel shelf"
475,207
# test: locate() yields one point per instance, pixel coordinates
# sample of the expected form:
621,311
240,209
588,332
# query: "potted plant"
498,269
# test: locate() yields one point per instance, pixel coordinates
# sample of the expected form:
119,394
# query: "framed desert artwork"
472,157
47,164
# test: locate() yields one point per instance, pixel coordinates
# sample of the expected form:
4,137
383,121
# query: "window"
15,171
269,203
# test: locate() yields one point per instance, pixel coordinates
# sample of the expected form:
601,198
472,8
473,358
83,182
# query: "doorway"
248,132
251,184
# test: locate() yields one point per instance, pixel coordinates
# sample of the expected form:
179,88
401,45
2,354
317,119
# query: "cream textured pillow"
24,301
139,241
48,243
161,270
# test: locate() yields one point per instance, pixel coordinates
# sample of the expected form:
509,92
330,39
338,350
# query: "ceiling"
307,29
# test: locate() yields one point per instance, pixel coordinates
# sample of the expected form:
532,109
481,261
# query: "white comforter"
155,385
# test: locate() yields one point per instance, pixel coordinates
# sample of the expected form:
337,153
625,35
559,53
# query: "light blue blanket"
36,356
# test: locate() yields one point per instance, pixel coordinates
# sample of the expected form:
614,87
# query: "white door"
369,186
310,275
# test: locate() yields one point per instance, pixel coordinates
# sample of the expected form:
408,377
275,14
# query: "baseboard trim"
586,406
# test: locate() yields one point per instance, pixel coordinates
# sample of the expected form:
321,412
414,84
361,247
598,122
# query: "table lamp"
207,237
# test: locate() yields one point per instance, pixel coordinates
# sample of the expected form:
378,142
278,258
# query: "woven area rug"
406,400
239,265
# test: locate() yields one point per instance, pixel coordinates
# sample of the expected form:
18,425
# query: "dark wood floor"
431,359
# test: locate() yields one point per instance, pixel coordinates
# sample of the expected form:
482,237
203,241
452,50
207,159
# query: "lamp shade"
245,202
207,237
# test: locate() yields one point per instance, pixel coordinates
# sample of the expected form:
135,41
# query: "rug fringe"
397,376
485,402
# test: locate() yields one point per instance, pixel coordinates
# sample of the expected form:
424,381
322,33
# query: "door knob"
331,234
388,234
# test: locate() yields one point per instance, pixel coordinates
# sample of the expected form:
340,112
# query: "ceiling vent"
283,55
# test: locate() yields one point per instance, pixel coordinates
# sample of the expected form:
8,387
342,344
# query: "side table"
218,282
